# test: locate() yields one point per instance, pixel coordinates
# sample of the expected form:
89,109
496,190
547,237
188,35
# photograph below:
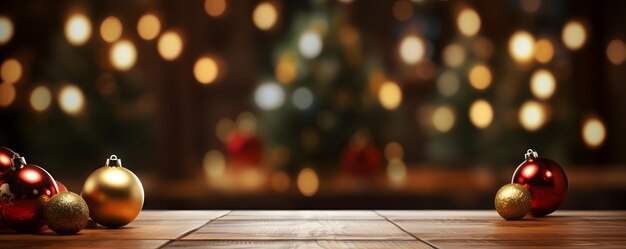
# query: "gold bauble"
512,201
114,194
66,213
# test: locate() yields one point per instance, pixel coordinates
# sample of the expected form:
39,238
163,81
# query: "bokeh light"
11,71
148,26
393,151
123,55
616,52
206,70
448,83
310,44
6,30
7,94
390,95
170,45
542,84
468,22
544,51
214,7
224,128
532,115
302,98
402,10
280,181
71,99
269,96
530,6
593,132
77,29
522,46
111,29
308,182
40,98
443,118
396,171
574,35
481,114
453,55
480,77
265,16
412,49
286,68
214,164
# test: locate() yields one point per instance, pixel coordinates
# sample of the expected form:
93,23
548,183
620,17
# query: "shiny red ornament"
546,181
244,149
5,159
22,195
361,161
61,187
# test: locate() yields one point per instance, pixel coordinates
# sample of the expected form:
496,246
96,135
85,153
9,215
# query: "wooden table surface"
342,229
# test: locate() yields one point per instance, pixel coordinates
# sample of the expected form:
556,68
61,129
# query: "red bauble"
22,195
361,161
61,187
5,158
243,149
545,180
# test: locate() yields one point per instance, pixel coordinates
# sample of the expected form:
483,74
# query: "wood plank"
181,214
302,215
299,230
81,244
323,244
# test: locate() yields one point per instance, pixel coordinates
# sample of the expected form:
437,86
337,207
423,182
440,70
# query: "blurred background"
354,104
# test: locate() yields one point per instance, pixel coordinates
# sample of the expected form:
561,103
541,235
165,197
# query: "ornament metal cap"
113,161
17,161
530,154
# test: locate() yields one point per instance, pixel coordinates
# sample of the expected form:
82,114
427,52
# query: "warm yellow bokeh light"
286,68
6,29
390,95
77,29
215,7
40,98
574,35
111,29
7,94
616,52
443,118
394,150
71,99
123,55
544,51
396,171
522,46
480,77
265,16
448,83
308,182
593,132
11,71
412,49
481,113
402,10
170,45
206,70
542,84
214,164
148,26
468,22
453,55
532,115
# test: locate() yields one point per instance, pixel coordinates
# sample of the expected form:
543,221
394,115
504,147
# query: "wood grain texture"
302,215
322,244
81,244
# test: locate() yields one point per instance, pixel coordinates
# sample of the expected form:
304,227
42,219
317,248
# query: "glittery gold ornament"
114,194
66,213
512,201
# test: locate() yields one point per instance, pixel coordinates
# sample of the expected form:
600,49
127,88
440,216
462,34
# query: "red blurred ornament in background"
61,187
243,149
25,189
545,180
361,160
5,158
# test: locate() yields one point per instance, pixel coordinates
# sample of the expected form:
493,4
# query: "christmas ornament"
114,194
361,161
22,194
243,149
66,213
545,180
512,201
61,187
5,158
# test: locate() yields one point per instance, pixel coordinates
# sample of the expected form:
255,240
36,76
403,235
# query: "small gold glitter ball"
512,201
66,213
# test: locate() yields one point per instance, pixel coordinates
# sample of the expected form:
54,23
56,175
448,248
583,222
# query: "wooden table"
342,229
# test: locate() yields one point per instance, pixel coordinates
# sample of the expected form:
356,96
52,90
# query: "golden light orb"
481,114
453,55
214,164
544,51
412,49
443,118
111,29
396,171
265,16
7,94
448,83
286,68
11,71
206,70
170,45
616,52
77,29
6,30
71,99
402,10
390,95
468,22
593,132
522,46
215,8
542,84
123,55
308,182
394,150
149,26
40,98
532,115
574,35
480,77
